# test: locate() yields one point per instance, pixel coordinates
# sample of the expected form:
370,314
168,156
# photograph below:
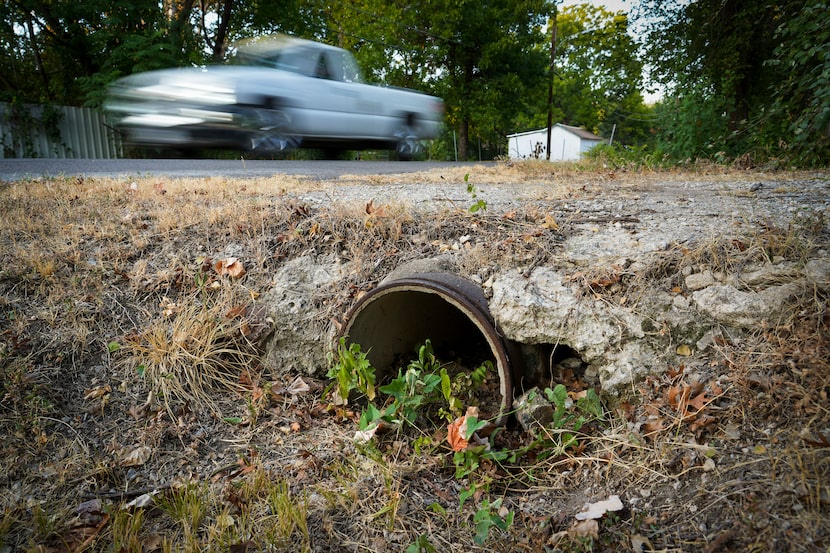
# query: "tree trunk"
38,60
463,139
222,31
179,20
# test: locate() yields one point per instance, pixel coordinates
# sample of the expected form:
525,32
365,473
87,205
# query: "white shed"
566,144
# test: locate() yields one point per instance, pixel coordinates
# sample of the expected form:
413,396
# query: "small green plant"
187,505
289,515
489,515
352,371
425,389
568,418
478,203
125,529
421,545
587,407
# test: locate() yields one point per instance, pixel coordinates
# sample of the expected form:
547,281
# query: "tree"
597,79
478,55
747,78
801,105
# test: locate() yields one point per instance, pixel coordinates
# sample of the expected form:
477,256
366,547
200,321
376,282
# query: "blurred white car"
279,93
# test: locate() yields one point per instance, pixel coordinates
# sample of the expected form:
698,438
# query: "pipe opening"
546,365
393,320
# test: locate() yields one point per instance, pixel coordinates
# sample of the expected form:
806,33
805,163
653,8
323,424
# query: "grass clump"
193,348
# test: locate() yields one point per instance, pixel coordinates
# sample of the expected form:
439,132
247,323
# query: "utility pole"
552,24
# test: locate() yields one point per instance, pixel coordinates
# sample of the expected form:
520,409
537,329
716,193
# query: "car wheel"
270,131
408,145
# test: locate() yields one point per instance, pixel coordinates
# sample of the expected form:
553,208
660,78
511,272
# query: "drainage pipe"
390,321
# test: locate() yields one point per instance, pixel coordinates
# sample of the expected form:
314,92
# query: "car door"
354,109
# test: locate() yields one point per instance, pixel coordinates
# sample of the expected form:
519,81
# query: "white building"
566,143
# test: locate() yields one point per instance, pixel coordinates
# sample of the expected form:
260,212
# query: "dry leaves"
97,392
134,456
681,401
458,431
230,266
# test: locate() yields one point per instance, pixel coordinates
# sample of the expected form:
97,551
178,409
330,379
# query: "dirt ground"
137,413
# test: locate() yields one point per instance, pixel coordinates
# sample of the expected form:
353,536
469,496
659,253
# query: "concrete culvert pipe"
392,320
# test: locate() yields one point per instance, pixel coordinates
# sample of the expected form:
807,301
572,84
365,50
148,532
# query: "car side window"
341,67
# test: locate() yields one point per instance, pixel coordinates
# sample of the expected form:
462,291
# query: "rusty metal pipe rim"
387,322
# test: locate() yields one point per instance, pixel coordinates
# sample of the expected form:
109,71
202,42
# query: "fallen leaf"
652,426
455,434
673,396
597,510
550,223
97,392
143,500
699,402
298,386
585,529
605,281
365,436
684,350
135,456
230,266
224,521
674,373
458,433
235,312
638,542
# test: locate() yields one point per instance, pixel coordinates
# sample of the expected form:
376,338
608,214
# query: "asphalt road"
18,169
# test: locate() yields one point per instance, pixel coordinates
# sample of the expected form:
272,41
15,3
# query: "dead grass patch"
99,277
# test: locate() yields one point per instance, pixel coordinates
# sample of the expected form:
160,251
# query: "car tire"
408,145
269,130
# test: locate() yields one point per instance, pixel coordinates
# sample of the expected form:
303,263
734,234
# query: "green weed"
352,371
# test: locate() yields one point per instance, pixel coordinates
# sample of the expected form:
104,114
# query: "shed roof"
578,131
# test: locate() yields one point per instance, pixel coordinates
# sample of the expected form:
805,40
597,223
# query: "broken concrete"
300,340
617,343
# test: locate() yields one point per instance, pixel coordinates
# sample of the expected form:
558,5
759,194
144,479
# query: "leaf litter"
709,456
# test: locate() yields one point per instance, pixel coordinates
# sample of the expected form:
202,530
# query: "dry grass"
100,278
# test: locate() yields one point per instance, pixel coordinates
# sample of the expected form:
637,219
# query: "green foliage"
632,158
747,81
587,407
478,204
569,417
802,98
597,79
421,545
23,123
352,371
479,55
425,389
488,516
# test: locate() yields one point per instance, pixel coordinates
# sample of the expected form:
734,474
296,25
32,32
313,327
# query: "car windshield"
311,61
